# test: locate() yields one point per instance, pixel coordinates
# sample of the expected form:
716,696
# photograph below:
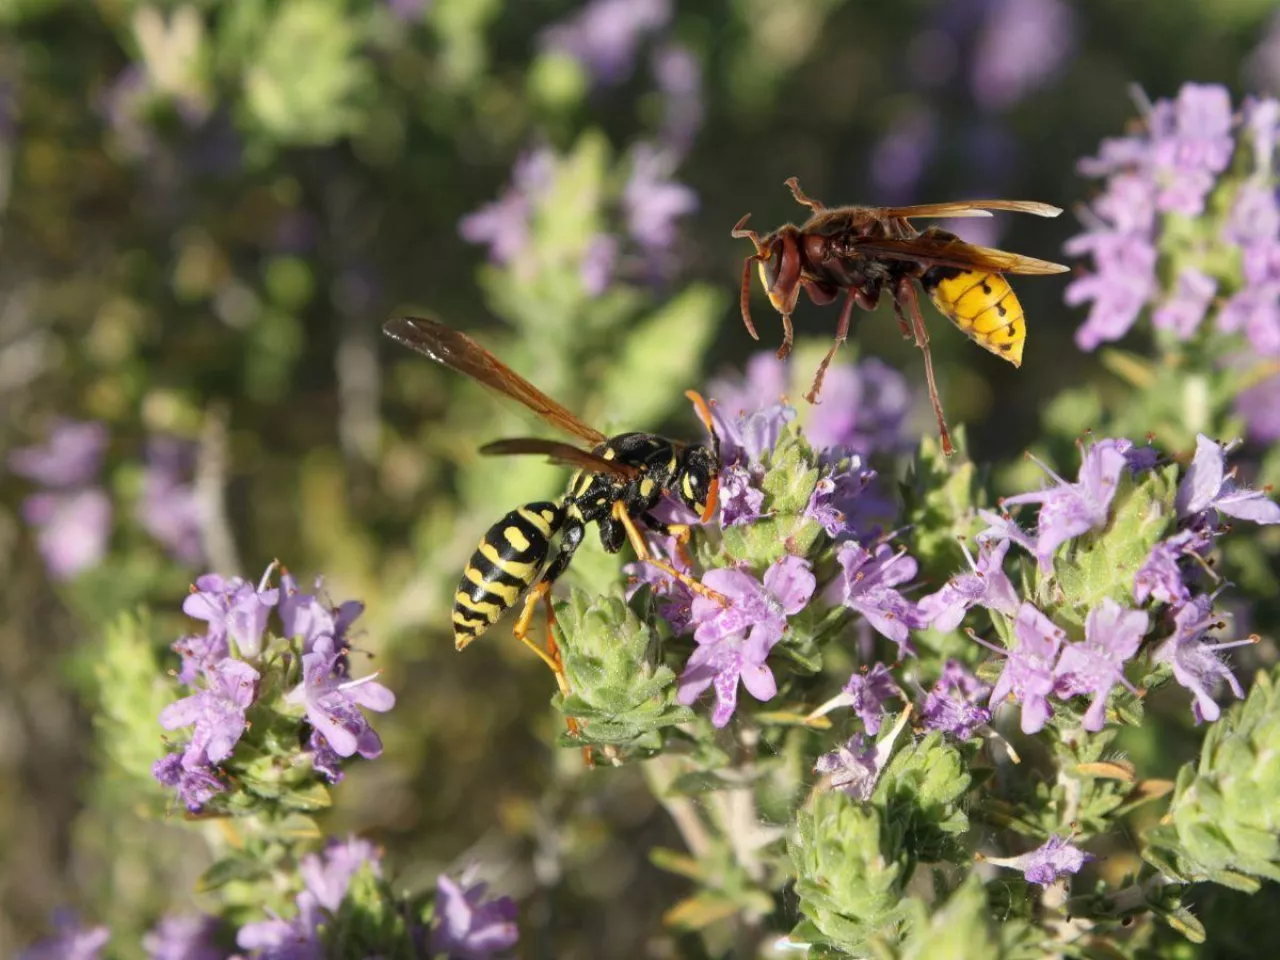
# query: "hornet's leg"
862,298
643,554
788,337
801,197
904,295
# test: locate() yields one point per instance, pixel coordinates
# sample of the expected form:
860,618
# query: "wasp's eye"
769,267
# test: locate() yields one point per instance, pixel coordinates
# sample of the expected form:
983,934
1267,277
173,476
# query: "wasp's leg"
904,297
803,198
642,553
681,532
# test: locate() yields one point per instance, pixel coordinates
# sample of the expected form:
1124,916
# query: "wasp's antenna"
704,414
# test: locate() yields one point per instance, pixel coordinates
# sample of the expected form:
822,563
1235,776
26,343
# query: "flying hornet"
619,480
866,251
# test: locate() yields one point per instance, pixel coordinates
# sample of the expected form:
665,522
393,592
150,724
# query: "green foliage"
791,472
941,496
922,793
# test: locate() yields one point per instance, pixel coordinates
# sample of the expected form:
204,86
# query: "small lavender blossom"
323,758
952,705
168,508
1191,145
1001,527
69,459
1259,406
763,384
1254,221
1208,486
184,937
866,692
73,529
746,437
327,875
468,926
503,225
734,642
1023,45
195,786
217,713
1196,665
866,584
678,76
234,608
987,585
1028,675
1254,310
306,618
333,705
674,599
1068,510
854,768
741,501
653,201
1053,859
295,938
72,941
837,499
1186,306
1159,577
598,262
863,409
1111,637
604,35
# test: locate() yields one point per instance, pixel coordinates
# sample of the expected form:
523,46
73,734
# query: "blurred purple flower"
678,75
764,384
298,938
1022,46
504,224
1262,117
734,642
333,705
863,409
987,585
1068,510
72,529
866,583
195,786
1123,281
746,438
1095,665
184,937
71,458
1053,859
1255,308
604,35
952,705
1255,216
653,201
1196,665
1208,486
72,941
217,713
1260,408
901,156
1191,145
1186,306
468,926
1028,675
855,768
596,269
327,875
168,508
408,11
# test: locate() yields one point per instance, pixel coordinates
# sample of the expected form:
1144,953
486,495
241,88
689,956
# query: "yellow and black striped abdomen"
509,559
984,307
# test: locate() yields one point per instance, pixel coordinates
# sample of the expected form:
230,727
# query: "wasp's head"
699,481
780,268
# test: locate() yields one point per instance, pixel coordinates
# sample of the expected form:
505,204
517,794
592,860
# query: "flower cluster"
226,664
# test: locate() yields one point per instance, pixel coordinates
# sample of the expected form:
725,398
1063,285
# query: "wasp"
618,482
867,251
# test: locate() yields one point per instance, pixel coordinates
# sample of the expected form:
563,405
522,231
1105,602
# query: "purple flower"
1000,528
195,787
1023,45
234,608
217,713
596,269
952,705
674,599
504,224
469,927
855,769
867,693
1196,664
323,758
1262,117
1255,216
734,642
678,76
1186,307
987,585
333,705
69,459
168,508
764,384
1111,636
1159,577
184,937
741,501
1055,858
73,529
1208,486
900,158
1260,408
1068,510
652,201
303,616
328,875
71,942
866,584
863,409
837,499
276,938
199,652
746,437
604,35
1028,675
1191,144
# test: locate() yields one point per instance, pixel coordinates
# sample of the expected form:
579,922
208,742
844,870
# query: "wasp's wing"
456,350
967,208
558,452
948,252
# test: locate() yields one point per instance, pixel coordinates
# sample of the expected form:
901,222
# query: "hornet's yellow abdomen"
984,307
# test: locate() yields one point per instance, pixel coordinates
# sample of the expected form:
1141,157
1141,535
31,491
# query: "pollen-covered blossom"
184,937
1160,578
1055,858
71,942
1095,665
855,768
987,585
1196,664
1208,485
734,642
468,925
217,713
952,705
333,704
1068,510
867,583
1028,675
604,35
843,500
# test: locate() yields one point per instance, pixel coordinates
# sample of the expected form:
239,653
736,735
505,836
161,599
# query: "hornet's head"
779,257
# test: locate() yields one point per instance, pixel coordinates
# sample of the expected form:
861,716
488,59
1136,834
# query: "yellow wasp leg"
550,656
644,556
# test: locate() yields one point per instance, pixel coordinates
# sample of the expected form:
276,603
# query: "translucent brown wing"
558,452
945,252
457,351
967,208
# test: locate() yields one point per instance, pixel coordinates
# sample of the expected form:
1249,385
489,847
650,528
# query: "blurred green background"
206,212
